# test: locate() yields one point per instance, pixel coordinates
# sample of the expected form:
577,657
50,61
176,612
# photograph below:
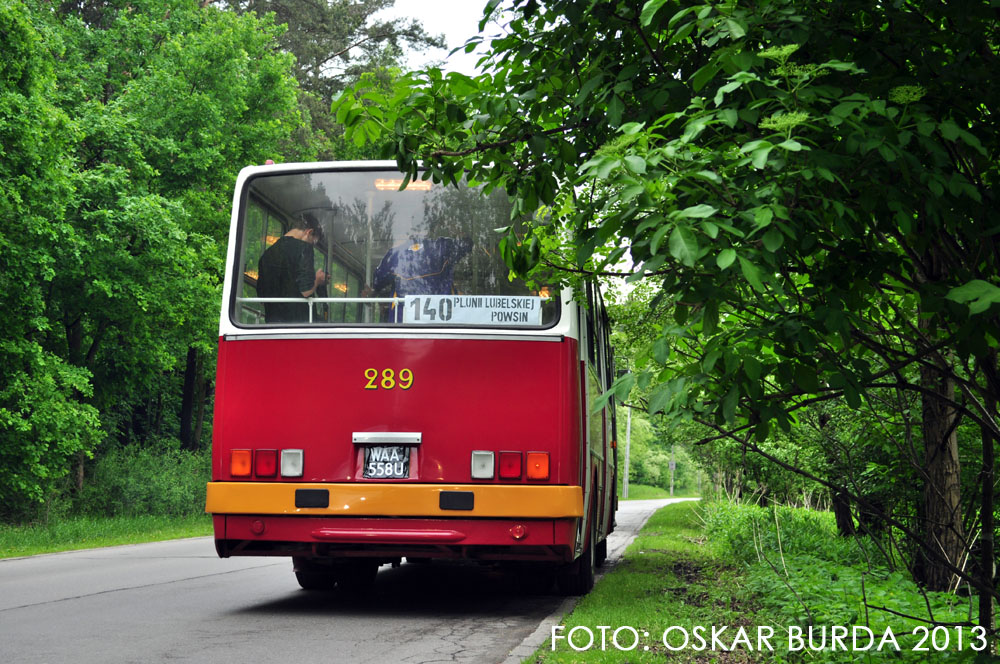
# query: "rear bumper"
403,500
389,521
392,538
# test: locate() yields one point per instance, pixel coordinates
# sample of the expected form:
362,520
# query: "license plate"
387,462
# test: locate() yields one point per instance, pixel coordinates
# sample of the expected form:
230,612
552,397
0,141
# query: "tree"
336,42
126,124
173,99
812,184
45,421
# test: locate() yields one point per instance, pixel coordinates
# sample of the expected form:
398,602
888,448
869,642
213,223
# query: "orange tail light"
538,465
241,463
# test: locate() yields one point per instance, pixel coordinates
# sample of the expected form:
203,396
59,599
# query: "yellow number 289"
388,379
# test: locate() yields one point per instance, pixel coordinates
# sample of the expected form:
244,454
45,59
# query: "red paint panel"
219,525
465,394
473,532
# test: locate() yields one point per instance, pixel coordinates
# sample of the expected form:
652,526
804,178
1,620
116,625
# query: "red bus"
385,390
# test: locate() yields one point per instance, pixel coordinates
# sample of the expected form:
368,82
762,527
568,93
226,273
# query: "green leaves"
759,156
773,239
752,274
649,11
725,258
115,190
978,294
809,224
701,211
684,245
635,164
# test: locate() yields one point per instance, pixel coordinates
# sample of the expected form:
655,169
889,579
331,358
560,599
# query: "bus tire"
601,553
577,577
356,576
312,576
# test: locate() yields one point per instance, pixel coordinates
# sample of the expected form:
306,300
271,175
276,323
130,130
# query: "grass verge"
799,594
646,492
667,577
71,533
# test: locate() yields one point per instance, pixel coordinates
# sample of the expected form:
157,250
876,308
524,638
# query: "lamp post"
628,443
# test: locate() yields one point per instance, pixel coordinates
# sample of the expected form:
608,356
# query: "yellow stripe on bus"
413,500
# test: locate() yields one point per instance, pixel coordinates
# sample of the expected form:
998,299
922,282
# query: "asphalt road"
177,602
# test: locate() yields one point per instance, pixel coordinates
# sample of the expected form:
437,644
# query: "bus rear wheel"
356,576
348,576
312,575
601,554
577,577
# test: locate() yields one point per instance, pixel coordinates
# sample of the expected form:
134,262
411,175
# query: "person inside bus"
420,266
286,270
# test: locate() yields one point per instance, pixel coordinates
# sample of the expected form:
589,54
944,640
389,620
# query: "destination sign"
499,310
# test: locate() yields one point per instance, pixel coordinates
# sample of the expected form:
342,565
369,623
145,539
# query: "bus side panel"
459,394
218,430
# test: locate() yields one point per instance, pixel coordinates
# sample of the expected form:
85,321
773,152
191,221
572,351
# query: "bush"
819,578
744,532
134,481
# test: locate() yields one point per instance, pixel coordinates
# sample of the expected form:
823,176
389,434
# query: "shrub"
819,578
747,533
134,481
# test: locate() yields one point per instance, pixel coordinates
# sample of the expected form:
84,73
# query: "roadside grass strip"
73,533
722,582
814,585
666,578
646,492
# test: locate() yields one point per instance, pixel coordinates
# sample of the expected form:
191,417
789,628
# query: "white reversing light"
291,463
482,465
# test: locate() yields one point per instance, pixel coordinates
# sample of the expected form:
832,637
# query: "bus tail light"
265,463
510,465
240,463
291,463
538,465
482,465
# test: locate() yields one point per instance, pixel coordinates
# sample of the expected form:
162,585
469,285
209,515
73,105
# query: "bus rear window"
335,248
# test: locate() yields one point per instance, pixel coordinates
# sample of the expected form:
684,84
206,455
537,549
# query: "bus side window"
591,327
608,362
254,245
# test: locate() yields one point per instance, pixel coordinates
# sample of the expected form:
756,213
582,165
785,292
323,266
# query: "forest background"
123,126
805,194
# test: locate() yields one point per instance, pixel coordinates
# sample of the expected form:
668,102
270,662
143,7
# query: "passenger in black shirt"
286,270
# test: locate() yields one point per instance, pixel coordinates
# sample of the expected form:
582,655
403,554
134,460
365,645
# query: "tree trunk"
942,527
201,394
842,513
187,400
839,500
987,560
872,514
74,342
81,459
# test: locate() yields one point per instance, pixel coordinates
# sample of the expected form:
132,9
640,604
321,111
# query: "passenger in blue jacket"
421,266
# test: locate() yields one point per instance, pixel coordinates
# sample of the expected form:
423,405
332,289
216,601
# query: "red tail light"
266,463
510,465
